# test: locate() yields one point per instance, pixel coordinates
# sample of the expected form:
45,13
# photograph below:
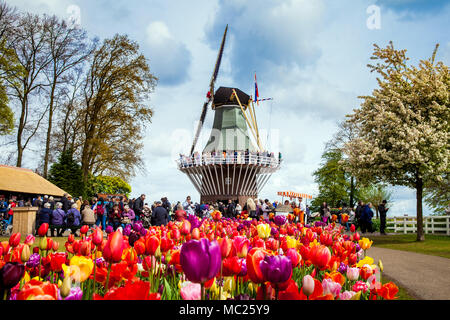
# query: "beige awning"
22,180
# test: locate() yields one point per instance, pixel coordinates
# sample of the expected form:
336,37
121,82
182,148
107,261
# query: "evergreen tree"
66,174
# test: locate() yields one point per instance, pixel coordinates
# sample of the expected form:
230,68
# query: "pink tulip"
190,291
352,274
331,287
308,285
346,295
29,240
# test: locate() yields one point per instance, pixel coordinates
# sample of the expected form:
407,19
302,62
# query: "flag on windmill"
256,91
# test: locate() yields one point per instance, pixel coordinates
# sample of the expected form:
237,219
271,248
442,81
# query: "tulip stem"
107,277
202,288
220,281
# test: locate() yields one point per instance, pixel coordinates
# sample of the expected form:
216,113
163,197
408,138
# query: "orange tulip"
225,245
254,257
151,245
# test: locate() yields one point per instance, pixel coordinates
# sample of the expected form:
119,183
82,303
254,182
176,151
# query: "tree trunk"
419,189
352,191
49,130
19,135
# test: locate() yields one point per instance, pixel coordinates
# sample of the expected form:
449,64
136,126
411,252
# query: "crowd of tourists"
112,212
230,157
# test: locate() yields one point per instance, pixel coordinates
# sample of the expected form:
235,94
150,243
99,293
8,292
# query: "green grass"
433,245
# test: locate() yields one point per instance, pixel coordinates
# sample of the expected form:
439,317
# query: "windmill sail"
211,91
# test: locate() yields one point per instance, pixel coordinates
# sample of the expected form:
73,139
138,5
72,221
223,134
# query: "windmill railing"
220,159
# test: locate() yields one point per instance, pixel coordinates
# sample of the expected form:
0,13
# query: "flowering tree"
403,128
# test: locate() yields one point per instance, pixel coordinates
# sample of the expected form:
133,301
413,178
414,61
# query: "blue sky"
309,55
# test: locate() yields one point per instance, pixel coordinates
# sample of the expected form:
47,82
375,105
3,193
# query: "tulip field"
208,259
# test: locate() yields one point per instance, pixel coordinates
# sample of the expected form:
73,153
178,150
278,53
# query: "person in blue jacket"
366,218
57,220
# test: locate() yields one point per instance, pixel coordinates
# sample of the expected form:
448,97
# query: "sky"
310,56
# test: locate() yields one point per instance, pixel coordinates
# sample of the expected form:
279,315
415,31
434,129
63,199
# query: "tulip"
294,256
320,256
360,286
196,234
49,244
66,286
365,243
190,291
352,228
10,274
14,239
97,236
151,245
114,247
185,227
308,285
380,264
225,245
346,295
29,240
280,220
352,274
200,260
263,230
43,229
55,246
85,249
331,287
84,229
139,246
276,269
26,253
43,243
241,244
356,237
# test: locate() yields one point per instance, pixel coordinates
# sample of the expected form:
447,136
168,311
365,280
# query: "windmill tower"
231,166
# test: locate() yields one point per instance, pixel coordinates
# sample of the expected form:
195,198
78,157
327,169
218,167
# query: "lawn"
433,245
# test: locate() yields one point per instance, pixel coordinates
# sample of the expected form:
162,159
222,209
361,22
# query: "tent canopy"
20,180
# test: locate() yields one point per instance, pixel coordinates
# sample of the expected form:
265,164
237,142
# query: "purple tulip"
195,222
143,232
357,247
33,262
137,226
75,294
109,229
276,269
342,268
200,260
10,274
273,231
243,272
133,237
280,220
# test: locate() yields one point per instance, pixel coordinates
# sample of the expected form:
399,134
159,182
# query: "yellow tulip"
263,230
291,242
80,268
380,264
365,243
229,284
356,296
367,260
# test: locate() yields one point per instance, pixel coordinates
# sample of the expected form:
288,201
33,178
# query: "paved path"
424,277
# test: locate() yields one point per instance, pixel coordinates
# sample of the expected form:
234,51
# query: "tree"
69,48
332,179
375,194
66,174
437,194
28,41
403,128
109,185
113,112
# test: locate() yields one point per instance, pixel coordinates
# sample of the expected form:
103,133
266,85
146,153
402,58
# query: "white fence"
439,225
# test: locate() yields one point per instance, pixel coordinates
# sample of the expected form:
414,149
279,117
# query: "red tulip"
231,266
139,246
225,245
97,236
294,256
352,228
176,234
57,260
320,256
254,257
49,244
84,229
185,227
151,245
166,244
114,247
356,237
14,239
43,229
71,238
85,249
55,246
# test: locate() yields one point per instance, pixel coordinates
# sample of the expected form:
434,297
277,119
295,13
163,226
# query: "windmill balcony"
220,159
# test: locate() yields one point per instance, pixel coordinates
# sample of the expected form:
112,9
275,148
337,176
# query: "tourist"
115,216
57,220
100,212
180,214
160,216
250,207
73,219
138,206
301,206
51,200
65,202
87,214
325,212
128,216
238,209
366,218
308,214
231,209
44,215
358,212
383,212
188,206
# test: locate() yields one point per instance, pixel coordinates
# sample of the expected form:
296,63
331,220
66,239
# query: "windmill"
231,166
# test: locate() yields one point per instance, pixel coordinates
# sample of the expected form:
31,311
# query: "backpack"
70,218
100,210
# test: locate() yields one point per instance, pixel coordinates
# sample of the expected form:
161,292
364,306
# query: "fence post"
404,225
448,225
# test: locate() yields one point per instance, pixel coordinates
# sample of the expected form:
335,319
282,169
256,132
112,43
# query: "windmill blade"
211,91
